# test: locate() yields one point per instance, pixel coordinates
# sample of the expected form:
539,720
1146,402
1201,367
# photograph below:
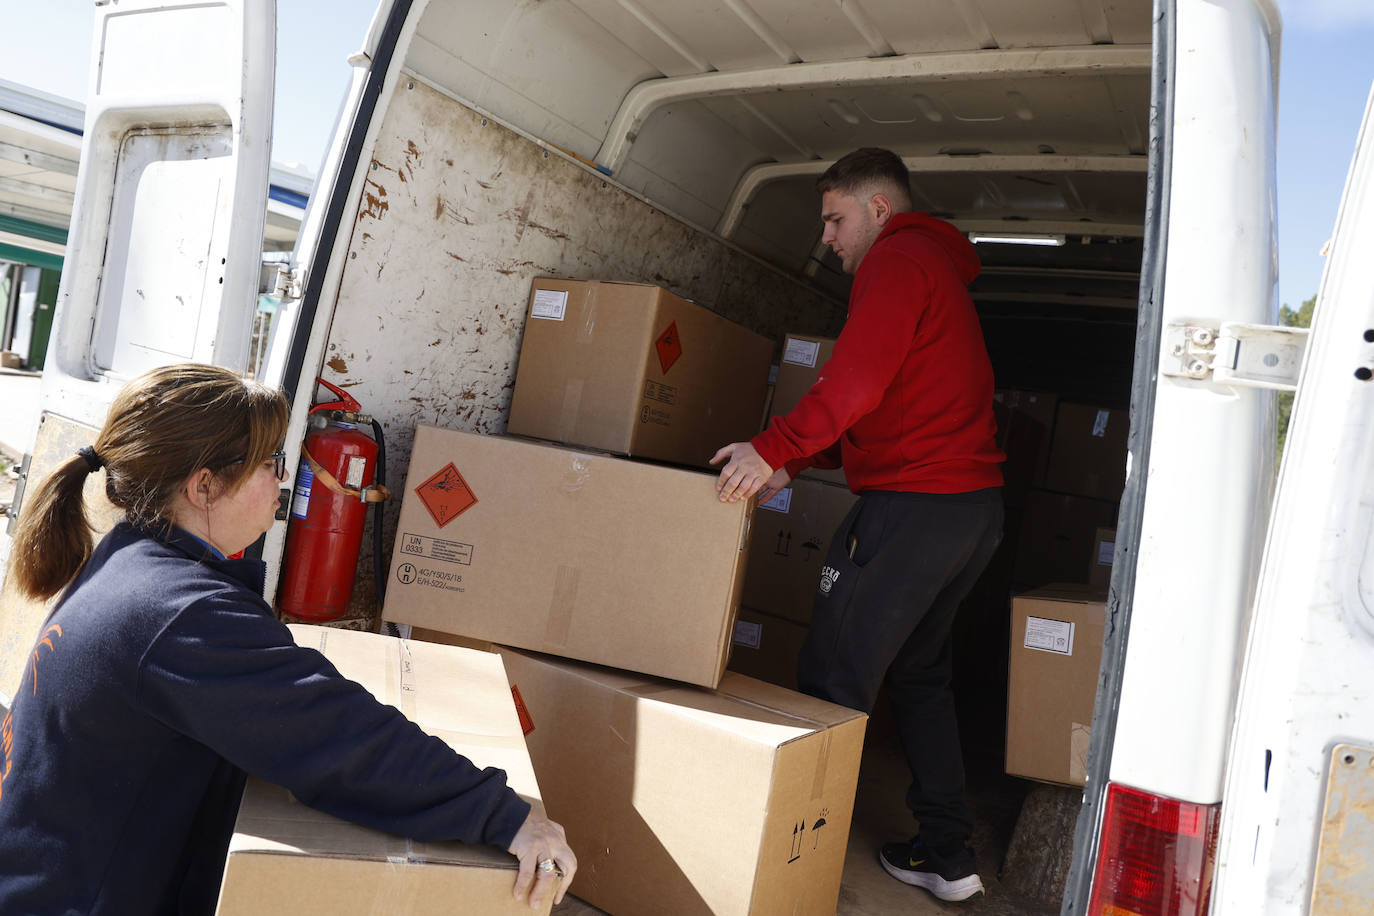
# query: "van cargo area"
678,146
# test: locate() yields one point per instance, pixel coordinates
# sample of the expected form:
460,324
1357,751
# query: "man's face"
852,225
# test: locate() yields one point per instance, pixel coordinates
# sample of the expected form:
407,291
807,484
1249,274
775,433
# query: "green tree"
1302,318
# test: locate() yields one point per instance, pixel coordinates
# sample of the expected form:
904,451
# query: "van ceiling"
1015,116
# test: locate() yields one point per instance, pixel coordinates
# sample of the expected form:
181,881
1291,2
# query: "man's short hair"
869,171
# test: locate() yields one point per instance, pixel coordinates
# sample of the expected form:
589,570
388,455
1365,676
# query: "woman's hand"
540,841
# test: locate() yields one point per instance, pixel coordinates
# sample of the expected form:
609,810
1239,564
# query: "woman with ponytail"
162,677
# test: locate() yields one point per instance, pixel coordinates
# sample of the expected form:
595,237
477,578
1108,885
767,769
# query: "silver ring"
548,865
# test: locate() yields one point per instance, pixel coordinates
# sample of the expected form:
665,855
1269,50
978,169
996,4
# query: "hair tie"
93,461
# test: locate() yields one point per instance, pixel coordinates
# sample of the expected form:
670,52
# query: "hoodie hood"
959,249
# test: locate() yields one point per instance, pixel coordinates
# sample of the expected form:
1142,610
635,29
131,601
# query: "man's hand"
744,474
774,485
539,841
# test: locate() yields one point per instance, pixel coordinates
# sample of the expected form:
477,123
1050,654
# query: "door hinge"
281,280
20,484
1235,354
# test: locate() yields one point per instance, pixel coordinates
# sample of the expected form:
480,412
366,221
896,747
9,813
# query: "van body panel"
1306,687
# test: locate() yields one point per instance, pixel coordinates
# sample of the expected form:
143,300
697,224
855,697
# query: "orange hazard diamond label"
446,495
669,347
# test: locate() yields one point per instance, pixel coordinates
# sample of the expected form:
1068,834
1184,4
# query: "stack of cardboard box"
1064,482
683,788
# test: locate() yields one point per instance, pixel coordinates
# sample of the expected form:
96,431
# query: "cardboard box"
287,858
1025,425
1056,534
683,801
787,549
803,358
1103,553
1088,455
767,647
1056,649
634,370
586,556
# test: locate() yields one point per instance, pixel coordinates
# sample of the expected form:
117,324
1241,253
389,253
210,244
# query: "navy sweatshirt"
159,680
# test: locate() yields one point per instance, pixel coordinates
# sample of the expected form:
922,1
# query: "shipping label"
780,501
748,634
801,352
1106,552
418,545
1100,423
657,391
549,304
1047,635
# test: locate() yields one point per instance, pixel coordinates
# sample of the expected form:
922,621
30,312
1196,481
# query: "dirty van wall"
457,216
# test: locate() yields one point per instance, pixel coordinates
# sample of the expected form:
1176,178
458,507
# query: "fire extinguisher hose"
379,480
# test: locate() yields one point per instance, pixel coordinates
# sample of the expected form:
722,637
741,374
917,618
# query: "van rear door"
1297,827
164,247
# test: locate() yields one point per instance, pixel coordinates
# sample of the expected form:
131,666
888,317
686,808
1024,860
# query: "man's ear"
880,207
200,488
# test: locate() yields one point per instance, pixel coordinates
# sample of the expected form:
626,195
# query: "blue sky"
1327,66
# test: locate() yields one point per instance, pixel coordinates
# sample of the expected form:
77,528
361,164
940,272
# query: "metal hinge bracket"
1234,354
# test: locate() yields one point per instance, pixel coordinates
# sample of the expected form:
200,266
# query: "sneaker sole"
953,891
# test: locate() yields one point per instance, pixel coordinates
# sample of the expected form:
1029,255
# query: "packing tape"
561,605
1080,736
822,765
400,677
572,403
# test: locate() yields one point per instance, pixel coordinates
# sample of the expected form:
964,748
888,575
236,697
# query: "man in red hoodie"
905,405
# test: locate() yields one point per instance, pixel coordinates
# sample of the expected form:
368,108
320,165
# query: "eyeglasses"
278,459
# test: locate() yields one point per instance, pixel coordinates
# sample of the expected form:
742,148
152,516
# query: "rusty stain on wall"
338,365
374,205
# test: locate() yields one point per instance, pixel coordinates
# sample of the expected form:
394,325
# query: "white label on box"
781,501
1100,423
550,304
1049,635
801,352
773,374
1106,552
748,634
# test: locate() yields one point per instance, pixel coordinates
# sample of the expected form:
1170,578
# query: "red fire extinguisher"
334,486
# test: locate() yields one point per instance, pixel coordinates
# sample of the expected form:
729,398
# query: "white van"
676,142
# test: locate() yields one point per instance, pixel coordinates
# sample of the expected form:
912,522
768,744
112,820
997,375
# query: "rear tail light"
1157,856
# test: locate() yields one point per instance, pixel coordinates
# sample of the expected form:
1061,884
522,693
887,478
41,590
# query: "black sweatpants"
897,568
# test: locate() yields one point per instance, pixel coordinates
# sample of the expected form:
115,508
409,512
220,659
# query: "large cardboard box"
767,647
682,801
1088,454
1056,534
618,562
1103,555
791,536
803,358
1056,649
287,858
633,369
1025,425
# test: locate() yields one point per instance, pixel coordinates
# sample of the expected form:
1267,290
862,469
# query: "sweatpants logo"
829,575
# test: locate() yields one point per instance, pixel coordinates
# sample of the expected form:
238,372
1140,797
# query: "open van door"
164,247
1297,828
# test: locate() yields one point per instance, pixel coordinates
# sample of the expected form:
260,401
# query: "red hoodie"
907,393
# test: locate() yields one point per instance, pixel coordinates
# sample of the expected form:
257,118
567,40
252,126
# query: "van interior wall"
458,215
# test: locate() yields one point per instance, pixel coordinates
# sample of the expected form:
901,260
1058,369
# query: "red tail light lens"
1156,858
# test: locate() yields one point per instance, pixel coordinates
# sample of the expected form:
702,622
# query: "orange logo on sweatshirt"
7,727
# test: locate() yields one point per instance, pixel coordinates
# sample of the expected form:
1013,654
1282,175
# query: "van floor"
880,816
